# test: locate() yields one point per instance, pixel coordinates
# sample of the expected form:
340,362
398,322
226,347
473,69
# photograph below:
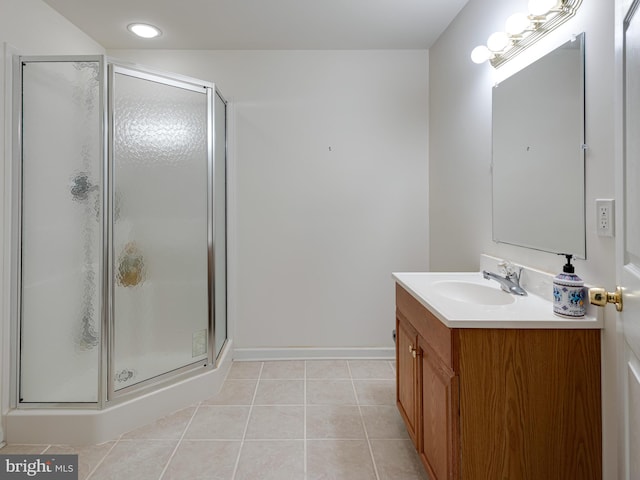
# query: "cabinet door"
440,413
407,378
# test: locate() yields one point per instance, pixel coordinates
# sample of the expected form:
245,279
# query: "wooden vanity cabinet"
503,404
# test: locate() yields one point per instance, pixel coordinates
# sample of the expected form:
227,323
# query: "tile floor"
281,420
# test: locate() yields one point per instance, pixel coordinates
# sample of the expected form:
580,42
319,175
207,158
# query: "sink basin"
474,293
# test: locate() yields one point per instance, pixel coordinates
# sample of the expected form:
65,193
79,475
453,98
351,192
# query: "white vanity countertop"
531,311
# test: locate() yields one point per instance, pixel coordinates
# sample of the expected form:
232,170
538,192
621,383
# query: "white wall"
328,188
460,156
29,27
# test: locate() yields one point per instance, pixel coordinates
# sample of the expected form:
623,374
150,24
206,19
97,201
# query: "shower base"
62,426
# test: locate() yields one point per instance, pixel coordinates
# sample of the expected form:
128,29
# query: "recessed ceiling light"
144,30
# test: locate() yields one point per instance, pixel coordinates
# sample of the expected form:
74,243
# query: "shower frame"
107,395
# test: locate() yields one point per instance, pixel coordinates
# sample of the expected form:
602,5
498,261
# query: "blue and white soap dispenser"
568,292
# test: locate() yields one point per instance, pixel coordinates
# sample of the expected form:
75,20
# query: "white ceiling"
264,24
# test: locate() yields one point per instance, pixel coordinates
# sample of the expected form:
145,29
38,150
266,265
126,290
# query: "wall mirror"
538,154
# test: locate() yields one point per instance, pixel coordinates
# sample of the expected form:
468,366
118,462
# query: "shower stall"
119,239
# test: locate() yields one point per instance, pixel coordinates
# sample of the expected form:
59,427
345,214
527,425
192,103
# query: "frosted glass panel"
160,229
61,232
220,209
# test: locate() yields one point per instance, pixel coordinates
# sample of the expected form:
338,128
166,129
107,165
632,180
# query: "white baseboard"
309,353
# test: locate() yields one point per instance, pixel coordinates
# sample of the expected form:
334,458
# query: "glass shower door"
60,235
160,225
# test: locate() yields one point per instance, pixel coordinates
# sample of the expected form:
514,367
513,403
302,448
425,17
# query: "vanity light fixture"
144,30
524,29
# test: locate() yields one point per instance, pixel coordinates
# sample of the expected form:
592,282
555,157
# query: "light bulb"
144,30
539,8
517,23
498,41
480,54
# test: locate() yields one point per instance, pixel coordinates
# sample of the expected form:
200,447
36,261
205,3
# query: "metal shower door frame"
16,228
179,81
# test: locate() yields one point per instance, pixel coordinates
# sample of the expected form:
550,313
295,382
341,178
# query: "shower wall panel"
220,226
160,227
61,232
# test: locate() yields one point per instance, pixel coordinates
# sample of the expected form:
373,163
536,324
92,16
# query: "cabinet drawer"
432,330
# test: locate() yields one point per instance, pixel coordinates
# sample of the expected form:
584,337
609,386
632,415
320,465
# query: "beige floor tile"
234,392
271,460
218,422
285,369
397,460
203,460
383,422
139,459
166,428
88,457
280,392
16,449
276,422
334,421
330,392
375,392
371,369
339,459
327,369
274,447
245,370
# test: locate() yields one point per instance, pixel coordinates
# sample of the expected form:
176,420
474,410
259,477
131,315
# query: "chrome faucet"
510,283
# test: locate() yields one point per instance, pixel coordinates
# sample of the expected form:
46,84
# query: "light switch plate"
605,217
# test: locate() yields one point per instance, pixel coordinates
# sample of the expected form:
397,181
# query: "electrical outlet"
605,216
